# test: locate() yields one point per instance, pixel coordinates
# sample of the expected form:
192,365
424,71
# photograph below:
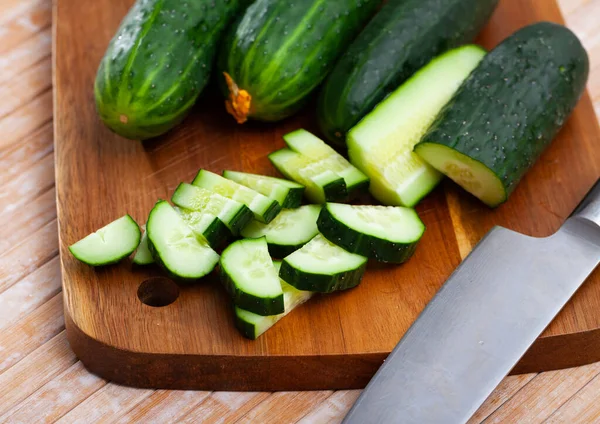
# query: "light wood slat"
506,390
30,83
20,29
568,7
554,387
20,190
104,405
23,221
57,397
29,255
16,159
24,55
36,369
20,123
583,407
284,407
333,410
30,332
12,9
224,407
29,293
164,406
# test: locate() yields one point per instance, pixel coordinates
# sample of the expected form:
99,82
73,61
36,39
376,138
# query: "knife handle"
589,208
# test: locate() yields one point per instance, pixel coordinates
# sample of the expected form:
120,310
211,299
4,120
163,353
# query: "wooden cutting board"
332,342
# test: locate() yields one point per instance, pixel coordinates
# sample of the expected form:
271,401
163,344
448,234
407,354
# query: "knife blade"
481,322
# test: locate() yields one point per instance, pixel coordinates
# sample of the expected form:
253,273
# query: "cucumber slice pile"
384,233
327,175
382,143
109,244
288,232
287,193
322,266
252,325
143,256
264,208
248,274
174,245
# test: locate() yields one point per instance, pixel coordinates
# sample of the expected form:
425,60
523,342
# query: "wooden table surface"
41,380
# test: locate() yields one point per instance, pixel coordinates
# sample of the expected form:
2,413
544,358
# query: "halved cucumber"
206,225
143,256
252,325
381,143
174,245
287,193
233,214
109,244
313,163
385,233
288,232
264,208
248,274
322,266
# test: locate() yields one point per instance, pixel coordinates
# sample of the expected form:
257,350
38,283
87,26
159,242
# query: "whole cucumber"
279,51
158,62
403,37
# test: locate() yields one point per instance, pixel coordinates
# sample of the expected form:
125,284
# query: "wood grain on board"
336,341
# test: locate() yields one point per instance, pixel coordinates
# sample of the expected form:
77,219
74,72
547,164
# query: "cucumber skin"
294,198
156,53
216,234
280,251
260,306
279,86
403,37
318,282
245,328
532,109
363,244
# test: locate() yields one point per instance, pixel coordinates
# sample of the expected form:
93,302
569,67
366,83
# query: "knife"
481,322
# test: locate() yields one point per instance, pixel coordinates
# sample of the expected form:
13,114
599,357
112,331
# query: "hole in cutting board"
158,291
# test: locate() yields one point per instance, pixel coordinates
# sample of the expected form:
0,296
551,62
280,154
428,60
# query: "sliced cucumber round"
322,266
288,232
175,247
248,274
385,233
143,256
252,325
287,193
109,244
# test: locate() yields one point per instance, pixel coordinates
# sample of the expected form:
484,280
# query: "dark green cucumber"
158,62
508,111
384,233
287,193
322,266
278,52
398,41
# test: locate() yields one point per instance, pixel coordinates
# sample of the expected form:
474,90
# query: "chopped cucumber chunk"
322,266
248,274
207,226
288,232
252,325
174,245
287,193
385,233
264,208
109,244
143,256
233,214
382,143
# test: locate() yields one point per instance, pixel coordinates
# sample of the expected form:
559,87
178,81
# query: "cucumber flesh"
233,214
288,232
287,193
143,256
206,225
249,276
381,144
109,244
252,325
264,208
174,245
322,266
385,233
